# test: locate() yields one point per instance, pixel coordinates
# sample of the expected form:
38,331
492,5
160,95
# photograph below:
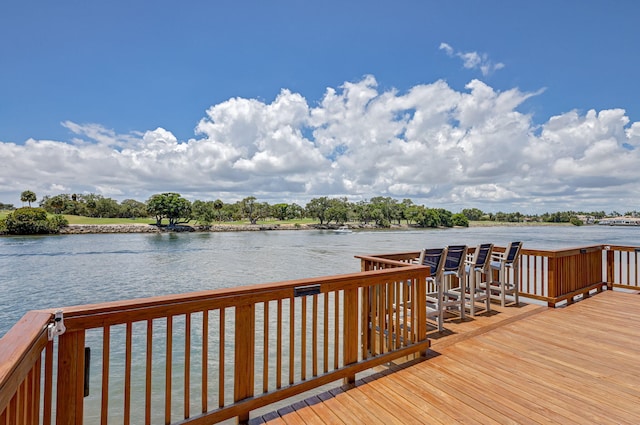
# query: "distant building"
620,221
586,219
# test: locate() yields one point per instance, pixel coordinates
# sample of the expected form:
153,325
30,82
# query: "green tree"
250,209
444,217
473,214
55,204
338,211
413,213
130,208
285,211
317,208
425,217
404,208
106,207
203,212
385,210
263,211
218,205
30,221
280,211
28,196
171,206
362,212
460,219
431,218
232,212
295,211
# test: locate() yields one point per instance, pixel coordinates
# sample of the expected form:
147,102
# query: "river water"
54,271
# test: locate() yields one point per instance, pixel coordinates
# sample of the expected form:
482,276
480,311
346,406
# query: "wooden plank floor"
519,365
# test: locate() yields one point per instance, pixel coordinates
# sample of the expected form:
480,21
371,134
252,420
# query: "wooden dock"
518,365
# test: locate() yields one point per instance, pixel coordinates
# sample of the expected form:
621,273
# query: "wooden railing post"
350,314
610,268
552,287
244,355
364,265
420,300
70,389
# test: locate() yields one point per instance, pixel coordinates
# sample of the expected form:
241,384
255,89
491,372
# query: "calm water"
56,271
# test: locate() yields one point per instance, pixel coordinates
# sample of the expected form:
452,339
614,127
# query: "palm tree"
28,196
217,205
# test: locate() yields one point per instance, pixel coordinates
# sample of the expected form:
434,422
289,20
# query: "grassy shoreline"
78,220
301,224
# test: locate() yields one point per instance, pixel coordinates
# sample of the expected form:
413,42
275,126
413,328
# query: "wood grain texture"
530,365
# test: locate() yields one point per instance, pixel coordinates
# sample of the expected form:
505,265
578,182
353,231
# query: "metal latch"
57,327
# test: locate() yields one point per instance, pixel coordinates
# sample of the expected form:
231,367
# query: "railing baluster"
292,324
35,401
366,314
405,311
106,346
303,339
336,334
628,262
380,318
222,353
635,265
148,372
350,338
244,355
279,347
127,375
265,349
12,415
21,407
325,340
314,342
205,361
168,370
48,384
187,366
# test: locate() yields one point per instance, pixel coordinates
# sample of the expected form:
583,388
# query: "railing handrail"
562,252
90,316
20,348
397,256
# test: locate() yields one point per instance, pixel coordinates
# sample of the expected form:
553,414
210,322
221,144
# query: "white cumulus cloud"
433,144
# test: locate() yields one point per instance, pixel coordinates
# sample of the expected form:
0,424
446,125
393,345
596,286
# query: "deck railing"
209,356
552,276
623,266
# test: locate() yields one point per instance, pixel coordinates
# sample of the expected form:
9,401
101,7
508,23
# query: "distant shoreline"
74,229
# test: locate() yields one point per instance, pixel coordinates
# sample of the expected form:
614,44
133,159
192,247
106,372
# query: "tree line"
379,211
175,209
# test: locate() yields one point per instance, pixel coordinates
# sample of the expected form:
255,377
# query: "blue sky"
504,106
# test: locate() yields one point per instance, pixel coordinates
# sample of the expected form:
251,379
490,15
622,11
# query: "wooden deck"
519,365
